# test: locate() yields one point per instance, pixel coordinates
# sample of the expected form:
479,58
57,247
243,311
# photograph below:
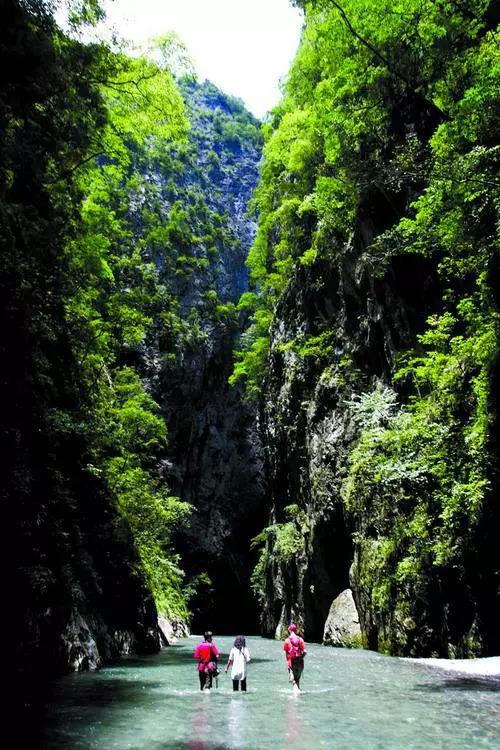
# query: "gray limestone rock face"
86,643
79,646
342,625
171,629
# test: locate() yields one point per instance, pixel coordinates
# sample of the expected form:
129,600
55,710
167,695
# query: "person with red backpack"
295,650
207,654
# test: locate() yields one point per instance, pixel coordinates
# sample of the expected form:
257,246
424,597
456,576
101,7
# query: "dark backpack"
296,650
212,668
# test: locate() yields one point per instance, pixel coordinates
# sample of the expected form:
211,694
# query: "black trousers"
237,683
205,679
297,668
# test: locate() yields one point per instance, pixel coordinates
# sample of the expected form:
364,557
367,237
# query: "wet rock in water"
342,625
87,642
79,650
170,630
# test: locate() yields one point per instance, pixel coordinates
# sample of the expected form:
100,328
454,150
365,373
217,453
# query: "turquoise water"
350,700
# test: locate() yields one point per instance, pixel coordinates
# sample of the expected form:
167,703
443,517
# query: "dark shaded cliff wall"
78,596
308,423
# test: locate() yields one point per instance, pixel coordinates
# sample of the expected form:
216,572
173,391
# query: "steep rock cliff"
214,459
309,427
374,342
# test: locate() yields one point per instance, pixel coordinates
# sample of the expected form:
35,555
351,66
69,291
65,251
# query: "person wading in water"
239,657
207,654
295,650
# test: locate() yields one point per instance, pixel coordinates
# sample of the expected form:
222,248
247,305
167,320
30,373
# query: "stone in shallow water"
171,630
342,625
79,648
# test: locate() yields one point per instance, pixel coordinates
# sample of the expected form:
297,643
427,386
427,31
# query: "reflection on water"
294,726
236,720
351,700
199,729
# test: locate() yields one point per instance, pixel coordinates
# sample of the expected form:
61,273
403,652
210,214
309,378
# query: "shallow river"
351,700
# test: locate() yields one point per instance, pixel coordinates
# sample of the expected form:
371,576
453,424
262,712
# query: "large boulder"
342,625
171,629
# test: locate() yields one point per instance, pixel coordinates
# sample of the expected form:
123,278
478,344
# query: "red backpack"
296,650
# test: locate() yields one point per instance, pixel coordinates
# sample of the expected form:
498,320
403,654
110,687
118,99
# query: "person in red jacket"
207,654
295,650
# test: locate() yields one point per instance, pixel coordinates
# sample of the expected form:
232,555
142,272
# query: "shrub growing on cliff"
281,543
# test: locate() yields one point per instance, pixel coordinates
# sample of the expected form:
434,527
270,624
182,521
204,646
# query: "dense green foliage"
74,557
386,145
82,437
115,211
116,296
193,183
153,238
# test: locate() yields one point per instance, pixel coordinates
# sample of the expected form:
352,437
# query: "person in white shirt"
239,657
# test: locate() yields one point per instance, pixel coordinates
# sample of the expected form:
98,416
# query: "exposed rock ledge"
170,630
488,666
